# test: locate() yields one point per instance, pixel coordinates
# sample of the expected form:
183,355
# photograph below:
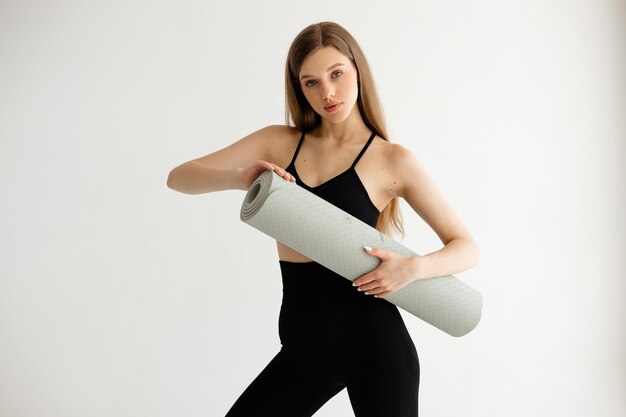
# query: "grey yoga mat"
334,238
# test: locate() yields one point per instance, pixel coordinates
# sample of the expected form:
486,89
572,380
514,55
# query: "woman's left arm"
460,251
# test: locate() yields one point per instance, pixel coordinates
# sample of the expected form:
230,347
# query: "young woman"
334,334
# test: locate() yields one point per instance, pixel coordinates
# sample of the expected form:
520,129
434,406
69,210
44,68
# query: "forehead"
318,62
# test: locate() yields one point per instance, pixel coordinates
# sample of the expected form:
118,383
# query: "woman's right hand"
248,175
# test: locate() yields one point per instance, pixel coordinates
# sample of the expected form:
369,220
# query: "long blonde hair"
300,114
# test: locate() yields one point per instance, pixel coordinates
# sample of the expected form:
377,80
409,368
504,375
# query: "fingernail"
367,248
366,293
353,284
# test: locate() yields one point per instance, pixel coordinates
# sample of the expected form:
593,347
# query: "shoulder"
390,151
278,143
276,132
400,155
267,143
268,140
403,166
277,136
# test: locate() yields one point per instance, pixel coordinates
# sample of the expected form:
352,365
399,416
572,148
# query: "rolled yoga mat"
334,238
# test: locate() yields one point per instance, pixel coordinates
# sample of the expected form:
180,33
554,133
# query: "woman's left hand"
394,272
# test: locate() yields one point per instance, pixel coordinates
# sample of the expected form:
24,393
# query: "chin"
337,117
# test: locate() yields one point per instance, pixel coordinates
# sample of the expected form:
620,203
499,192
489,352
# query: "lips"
332,106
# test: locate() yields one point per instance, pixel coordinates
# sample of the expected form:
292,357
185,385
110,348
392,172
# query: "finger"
281,172
383,291
382,294
370,286
379,253
377,292
286,175
363,280
378,288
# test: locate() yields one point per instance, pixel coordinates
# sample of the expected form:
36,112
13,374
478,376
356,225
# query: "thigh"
384,376
287,387
392,393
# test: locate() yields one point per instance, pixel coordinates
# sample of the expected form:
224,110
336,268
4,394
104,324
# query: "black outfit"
334,336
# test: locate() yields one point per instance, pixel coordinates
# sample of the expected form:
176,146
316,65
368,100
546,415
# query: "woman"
336,334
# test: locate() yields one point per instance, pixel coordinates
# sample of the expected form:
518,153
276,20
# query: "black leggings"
334,337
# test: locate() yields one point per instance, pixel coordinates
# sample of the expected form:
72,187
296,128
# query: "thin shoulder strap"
364,149
295,154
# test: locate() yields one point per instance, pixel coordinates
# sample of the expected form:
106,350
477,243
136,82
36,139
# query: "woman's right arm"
234,167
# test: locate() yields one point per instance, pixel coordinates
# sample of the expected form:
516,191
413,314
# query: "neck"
353,127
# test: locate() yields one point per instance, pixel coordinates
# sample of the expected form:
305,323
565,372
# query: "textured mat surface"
335,239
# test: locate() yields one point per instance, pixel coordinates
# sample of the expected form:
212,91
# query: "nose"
327,91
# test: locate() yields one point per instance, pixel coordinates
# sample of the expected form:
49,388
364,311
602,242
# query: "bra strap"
295,154
364,149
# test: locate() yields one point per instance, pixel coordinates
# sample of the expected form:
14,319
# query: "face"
329,82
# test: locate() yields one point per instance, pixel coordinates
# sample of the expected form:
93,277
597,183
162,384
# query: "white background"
120,297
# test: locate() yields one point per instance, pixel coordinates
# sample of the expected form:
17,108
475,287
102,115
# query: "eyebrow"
338,64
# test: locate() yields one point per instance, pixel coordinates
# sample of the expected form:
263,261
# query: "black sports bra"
345,190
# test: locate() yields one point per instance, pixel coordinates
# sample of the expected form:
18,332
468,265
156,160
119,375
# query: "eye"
310,83
336,73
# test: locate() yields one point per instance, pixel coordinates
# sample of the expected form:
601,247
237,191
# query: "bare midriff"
285,253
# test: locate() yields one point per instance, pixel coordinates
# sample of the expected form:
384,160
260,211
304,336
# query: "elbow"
173,181
470,251
475,257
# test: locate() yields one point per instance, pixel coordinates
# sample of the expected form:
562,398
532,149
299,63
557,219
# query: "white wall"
121,297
